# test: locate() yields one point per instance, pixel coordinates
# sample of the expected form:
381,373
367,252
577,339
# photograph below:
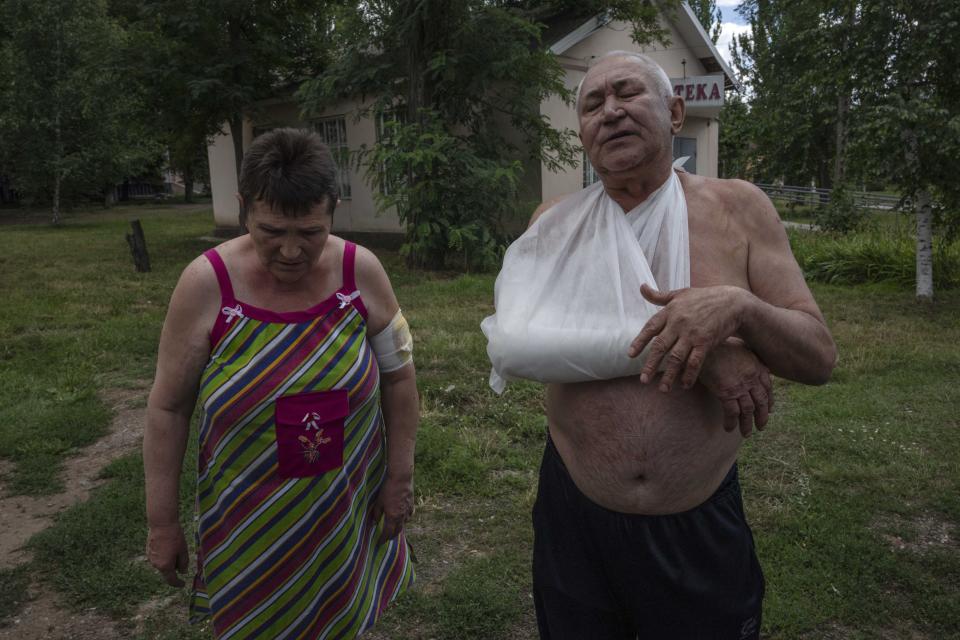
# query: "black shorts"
600,574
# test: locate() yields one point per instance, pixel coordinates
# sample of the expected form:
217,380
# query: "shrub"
840,215
874,255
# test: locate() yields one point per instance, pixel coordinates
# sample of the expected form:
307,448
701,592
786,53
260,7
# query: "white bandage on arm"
394,345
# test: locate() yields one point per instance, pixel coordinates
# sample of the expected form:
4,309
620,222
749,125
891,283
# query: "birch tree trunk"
924,247
924,213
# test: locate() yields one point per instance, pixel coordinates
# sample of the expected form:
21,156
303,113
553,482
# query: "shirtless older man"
639,524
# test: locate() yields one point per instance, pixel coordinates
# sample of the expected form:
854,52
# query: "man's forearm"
164,444
792,343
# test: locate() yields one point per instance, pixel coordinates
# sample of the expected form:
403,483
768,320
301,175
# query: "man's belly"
631,448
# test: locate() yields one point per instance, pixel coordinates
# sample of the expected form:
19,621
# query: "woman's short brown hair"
290,171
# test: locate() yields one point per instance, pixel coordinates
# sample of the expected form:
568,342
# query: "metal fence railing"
813,196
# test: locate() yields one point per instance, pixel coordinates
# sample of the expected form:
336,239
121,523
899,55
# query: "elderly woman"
293,342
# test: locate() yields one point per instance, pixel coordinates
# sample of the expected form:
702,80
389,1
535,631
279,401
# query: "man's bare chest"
718,250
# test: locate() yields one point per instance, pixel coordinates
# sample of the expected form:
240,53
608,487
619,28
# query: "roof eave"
580,34
689,22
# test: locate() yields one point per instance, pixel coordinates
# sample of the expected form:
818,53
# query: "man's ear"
678,111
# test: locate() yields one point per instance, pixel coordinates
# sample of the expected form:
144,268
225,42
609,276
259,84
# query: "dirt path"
23,516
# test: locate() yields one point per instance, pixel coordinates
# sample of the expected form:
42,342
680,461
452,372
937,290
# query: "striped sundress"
292,557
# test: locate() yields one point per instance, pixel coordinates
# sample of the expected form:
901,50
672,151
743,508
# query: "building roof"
683,20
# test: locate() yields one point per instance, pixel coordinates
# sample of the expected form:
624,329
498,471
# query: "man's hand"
394,503
167,552
737,378
691,324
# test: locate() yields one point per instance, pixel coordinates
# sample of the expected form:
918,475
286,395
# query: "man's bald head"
650,68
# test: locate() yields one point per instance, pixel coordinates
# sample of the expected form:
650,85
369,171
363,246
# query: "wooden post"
138,247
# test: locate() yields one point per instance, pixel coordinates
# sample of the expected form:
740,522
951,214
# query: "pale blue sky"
727,8
732,24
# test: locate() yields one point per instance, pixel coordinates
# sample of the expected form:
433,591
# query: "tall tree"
792,67
909,93
709,15
445,78
68,122
220,57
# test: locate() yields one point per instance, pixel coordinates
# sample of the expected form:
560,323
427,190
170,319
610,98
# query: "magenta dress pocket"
309,428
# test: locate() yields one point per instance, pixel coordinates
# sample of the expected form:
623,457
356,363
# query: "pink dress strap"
230,309
223,277
350,278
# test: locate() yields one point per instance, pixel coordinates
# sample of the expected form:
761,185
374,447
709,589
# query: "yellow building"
696,69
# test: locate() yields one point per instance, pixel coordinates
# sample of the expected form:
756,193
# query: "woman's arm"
398,399
401,414
183,353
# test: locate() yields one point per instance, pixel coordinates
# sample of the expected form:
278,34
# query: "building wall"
356,213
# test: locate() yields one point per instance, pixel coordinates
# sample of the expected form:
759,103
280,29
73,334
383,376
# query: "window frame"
339,148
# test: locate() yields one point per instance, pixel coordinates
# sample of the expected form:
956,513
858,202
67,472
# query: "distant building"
696,69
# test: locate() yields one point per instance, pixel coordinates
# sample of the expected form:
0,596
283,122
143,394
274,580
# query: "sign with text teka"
699,91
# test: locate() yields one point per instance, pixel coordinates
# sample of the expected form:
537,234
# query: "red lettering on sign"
689,95
701,92
715,92
678,90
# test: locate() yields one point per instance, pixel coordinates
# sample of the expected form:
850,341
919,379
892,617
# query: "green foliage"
841,215
736,152
451,198
68,110
874,255
13,592
463,83
207,62
910,129
796,66
709,15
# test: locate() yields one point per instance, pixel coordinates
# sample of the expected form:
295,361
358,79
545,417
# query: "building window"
589,173
334,133
686,148
398,117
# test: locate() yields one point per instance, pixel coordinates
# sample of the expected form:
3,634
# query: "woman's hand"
394,503
167,552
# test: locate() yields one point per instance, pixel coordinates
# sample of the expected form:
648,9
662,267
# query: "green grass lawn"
853,490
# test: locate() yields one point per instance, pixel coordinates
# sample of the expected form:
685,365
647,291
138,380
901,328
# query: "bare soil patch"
923,533
23,516
835,631
45,617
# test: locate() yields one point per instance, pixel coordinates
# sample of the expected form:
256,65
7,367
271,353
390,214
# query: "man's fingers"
659,346
694,365
761,407
768,385
731,414
653,326
746,415
659,298
675,359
